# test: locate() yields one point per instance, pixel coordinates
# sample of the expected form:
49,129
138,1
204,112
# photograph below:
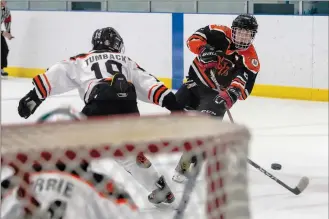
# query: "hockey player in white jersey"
109,82
64,196
63,189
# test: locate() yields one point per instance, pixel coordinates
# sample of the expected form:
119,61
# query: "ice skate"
142,161
179,177
162,194
3,73
182,169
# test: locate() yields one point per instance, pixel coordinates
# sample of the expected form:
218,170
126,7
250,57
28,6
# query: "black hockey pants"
200,98
108,99
4,52
107,108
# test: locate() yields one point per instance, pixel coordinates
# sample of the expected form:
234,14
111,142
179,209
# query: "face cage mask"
242,38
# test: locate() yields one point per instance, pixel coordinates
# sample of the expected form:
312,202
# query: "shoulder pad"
225,29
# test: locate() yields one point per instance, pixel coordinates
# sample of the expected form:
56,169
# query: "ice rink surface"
292,133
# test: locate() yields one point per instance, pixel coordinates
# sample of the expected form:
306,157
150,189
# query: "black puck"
276,166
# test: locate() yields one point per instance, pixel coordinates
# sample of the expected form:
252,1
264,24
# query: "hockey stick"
301,186
303,182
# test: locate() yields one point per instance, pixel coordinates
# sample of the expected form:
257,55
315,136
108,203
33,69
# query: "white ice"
292,133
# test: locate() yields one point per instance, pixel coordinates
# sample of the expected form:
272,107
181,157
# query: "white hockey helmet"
60,114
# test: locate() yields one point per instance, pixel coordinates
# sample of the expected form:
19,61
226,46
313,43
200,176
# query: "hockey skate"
3,73
142,161
183,168
186,167
162,194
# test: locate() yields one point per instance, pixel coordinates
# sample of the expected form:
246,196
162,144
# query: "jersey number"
57,209
112,67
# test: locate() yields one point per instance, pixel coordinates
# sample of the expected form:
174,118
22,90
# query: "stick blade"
303,183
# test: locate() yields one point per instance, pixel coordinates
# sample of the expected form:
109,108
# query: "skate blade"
166,206
179,178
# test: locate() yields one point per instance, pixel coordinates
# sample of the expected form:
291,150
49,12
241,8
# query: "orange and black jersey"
236,68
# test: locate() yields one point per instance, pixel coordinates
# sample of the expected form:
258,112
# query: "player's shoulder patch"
255,62
250,59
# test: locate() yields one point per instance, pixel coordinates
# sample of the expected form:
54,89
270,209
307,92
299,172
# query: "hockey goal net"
220,191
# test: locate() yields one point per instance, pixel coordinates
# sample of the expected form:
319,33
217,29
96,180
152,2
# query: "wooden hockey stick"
303,182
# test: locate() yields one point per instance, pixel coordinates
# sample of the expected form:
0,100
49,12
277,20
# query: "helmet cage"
242,38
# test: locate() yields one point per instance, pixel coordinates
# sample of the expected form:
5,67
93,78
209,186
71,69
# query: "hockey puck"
276,166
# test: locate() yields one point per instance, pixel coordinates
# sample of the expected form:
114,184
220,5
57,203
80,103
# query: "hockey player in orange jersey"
224,70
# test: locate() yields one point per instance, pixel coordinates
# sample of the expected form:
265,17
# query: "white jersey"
86,70
78,199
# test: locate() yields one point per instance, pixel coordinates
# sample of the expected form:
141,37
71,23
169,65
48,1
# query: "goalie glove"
226,98
28,104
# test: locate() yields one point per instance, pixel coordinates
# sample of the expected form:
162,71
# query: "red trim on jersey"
40,87
150,91
47,81
202,73
158,93
242,90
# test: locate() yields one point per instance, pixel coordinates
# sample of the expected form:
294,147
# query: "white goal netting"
219,191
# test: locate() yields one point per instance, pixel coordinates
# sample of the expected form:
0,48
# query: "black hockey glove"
208,57
170,102
28,104
226,98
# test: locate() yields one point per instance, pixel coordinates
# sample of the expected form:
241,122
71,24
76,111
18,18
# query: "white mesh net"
70,169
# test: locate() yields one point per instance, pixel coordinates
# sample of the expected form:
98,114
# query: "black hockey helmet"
244,29
107,39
